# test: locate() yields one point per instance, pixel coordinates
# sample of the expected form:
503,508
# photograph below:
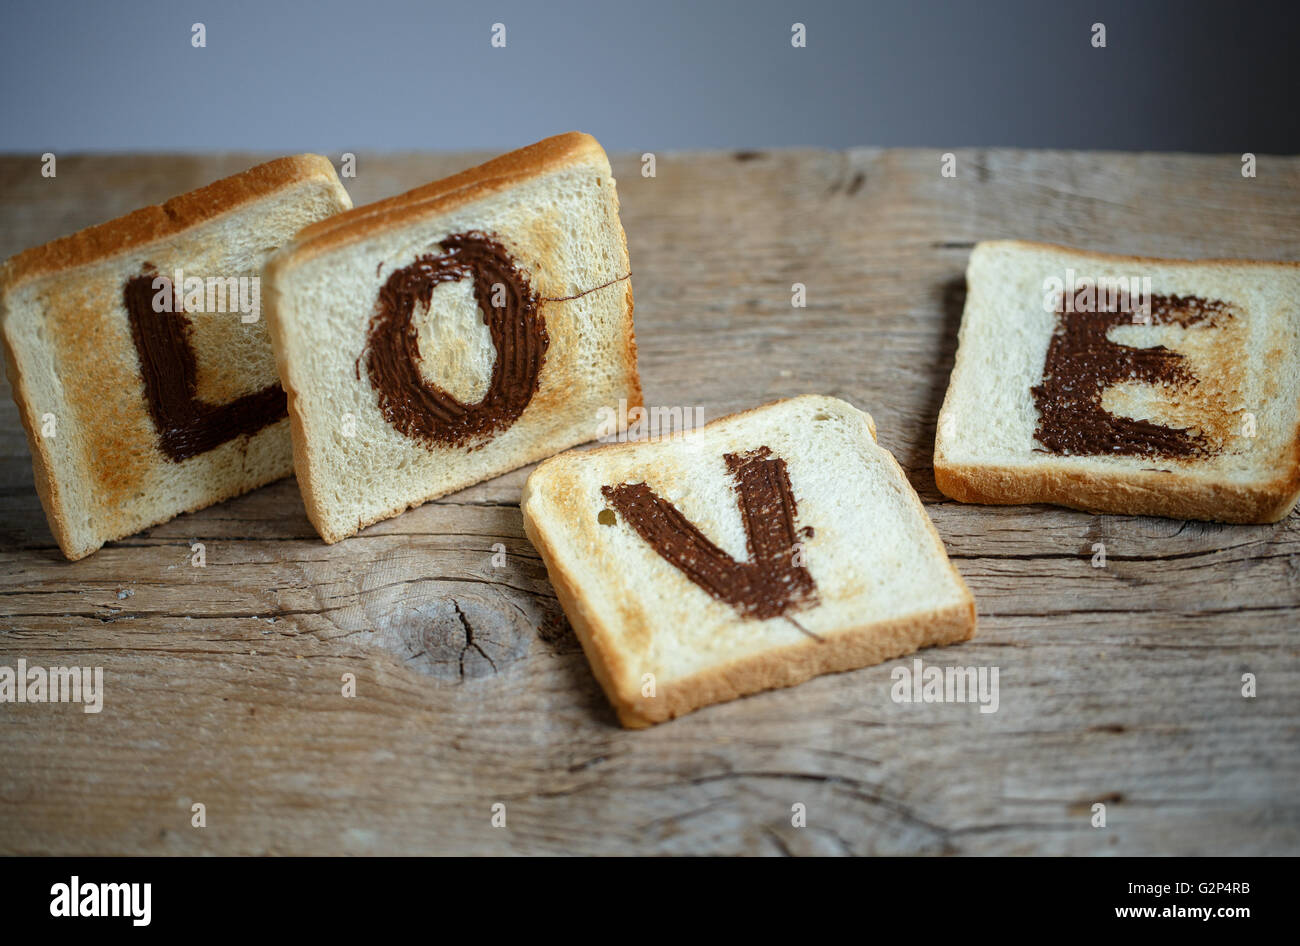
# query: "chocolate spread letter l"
769,583
1082,363
423,411
186,426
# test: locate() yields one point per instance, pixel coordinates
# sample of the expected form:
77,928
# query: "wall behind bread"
338,75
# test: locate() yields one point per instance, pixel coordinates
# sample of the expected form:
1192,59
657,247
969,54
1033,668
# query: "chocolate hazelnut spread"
420,409
186,425
1082,363
769,583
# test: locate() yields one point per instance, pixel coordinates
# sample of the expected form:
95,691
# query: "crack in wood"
469,639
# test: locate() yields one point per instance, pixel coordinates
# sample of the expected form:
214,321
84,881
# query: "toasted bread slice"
1125,385
453,333
143,399
756,552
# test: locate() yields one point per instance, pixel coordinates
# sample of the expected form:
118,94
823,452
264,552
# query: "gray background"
342,75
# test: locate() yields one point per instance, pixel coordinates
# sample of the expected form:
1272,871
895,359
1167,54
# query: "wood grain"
1118,685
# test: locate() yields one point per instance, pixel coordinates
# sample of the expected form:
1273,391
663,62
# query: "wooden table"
1119,685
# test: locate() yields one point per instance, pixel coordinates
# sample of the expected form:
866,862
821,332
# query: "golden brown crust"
1122,258
297,436
864,646
1147,493
443,195
635,396
47,487
160,221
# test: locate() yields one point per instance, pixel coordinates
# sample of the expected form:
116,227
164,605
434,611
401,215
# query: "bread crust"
161,221
1153,493
1155,260
47,487
1170,493
441,196
861,646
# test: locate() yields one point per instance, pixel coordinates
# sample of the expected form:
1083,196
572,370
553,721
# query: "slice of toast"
139,359
451,334
1122,384
756,552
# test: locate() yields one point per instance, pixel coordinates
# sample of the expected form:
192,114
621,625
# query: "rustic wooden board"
1119,685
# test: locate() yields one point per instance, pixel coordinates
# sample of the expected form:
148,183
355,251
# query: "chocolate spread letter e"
186,425
769,583
423,411
1082,363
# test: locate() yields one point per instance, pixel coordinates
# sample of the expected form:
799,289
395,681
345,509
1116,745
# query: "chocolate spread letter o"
423,411
769,583
186,426
1082,363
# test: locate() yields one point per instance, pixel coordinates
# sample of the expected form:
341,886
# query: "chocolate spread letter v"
423,411
186,425
769,583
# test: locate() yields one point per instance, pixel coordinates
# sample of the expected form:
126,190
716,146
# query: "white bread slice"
876,582
360,457
75,366
1232,370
